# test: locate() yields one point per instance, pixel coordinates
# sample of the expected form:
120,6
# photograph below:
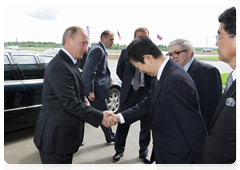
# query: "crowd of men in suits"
178,98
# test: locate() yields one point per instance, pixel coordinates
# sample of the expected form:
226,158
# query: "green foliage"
208,58
120,47
32,44
224,77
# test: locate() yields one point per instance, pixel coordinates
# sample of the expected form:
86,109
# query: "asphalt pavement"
20,149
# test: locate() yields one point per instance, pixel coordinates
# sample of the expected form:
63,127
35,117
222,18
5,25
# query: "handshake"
109,118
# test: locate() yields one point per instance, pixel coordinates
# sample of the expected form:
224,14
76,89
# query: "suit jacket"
96,73
60,125
125,72
220,143
209,86
177,126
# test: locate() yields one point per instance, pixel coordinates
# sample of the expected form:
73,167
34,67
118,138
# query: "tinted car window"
45,59
8,75
28,66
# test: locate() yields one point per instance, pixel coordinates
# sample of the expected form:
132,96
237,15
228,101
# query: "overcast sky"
196,21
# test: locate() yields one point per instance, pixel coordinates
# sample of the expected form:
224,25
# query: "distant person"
205,76
220,143
172,104
135,86
97,79
60,125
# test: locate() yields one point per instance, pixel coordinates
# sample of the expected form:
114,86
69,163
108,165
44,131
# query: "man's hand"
195,168
109,119
91,96
86,102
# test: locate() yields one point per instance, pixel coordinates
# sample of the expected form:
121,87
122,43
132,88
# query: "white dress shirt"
69,55
160,70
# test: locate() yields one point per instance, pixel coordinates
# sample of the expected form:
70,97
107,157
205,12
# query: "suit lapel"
156,92
222,102
73,67
192,69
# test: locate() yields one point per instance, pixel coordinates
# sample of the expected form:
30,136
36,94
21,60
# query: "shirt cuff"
121,118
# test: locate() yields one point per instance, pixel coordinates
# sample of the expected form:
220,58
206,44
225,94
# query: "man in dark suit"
172,104
97,79
132,94
60,126
205,76
220,143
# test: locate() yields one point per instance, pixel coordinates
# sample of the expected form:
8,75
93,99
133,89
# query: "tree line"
55,45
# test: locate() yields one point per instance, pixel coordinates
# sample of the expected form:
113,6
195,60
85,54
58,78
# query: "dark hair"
140,47
105,34
228,18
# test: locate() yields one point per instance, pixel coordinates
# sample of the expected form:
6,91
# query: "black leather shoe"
110,141
145,158
82,144
117,156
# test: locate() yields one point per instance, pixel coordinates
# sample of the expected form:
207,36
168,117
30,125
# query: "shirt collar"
186,67
161,68
69,55
234,75
103,46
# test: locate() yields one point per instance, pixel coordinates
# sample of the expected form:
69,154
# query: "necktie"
229,83
136,79
156,82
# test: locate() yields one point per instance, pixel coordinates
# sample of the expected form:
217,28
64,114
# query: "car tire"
114,100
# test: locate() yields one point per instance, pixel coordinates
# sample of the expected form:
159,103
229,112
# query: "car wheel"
114,100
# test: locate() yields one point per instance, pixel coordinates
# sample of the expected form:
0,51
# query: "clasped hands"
109,118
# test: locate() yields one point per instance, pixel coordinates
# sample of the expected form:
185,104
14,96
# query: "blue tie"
229,83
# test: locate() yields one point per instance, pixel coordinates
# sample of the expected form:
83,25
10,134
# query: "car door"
14,96
33,83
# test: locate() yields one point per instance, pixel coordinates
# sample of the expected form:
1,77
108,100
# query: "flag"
158,37
119,35
88,34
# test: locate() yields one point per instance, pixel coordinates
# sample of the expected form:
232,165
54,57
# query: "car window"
8,74
45,59
28,65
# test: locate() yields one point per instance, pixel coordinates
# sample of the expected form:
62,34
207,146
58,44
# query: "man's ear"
148,58
68,39
189,53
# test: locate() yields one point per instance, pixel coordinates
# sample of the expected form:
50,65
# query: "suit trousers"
102,105
133,98
54,158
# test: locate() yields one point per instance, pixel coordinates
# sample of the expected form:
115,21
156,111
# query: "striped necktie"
136,79
229,83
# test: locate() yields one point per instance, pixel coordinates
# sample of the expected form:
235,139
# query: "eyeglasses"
218,37
175,54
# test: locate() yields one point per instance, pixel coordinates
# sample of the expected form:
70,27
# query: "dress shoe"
145,158
81,144
117,156
110,141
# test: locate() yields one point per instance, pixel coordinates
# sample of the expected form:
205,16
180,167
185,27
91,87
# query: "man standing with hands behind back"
220,143
60,126
97,79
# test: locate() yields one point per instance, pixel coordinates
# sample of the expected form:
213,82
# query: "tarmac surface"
20,149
